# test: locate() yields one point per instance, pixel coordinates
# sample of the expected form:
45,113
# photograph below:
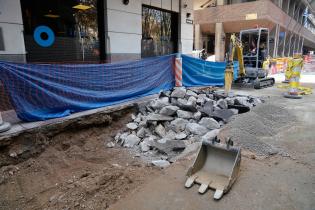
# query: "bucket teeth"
203,188
190,181
218,194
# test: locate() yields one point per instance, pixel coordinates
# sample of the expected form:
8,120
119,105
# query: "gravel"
265,120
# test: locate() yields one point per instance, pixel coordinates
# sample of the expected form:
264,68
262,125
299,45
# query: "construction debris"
165,126
265,121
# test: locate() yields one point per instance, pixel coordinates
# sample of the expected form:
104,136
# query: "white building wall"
124,30
12,29
187,30
125,26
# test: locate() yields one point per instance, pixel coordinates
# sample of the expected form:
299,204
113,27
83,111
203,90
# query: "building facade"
290,23
92,31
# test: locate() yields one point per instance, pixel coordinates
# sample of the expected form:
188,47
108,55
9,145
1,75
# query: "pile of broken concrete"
178,118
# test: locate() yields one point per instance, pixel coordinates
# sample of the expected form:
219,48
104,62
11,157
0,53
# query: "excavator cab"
255,51
255,45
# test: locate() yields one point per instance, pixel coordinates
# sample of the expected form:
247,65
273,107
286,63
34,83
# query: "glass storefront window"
74,26
158,32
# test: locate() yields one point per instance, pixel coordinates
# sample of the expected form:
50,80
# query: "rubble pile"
177,119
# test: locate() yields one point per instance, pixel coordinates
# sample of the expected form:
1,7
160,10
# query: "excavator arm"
236,45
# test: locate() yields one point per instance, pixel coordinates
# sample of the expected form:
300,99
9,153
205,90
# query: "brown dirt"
76,171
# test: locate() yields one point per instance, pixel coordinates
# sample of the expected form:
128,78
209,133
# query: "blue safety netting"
197,72
45,91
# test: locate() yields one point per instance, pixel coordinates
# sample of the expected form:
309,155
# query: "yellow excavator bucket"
216,166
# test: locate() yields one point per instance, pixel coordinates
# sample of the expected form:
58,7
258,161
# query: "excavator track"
264,83
256,84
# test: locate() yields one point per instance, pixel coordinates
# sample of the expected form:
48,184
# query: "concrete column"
288,8
284,42
276,43
298,44
289,44
293,45
198,44
302,43
220,2
219,42
301,17
293,8
280,2
297,48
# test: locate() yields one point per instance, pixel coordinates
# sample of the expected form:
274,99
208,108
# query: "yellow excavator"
252,52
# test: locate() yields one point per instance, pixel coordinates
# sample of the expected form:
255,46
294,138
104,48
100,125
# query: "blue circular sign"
44,42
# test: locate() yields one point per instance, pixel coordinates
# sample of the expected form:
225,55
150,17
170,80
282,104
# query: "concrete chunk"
158,104
178,92
170,135
191,93
209,123
161,163
196,129
169,110
160,130
110,144
187,105
210,135
223,114
141,132
230,101
132,126
222,103
144,146
192,101
122,138
235,111
207,109
181,136
197,115
169,146
131,140
158,117
242,100
185,114
178,125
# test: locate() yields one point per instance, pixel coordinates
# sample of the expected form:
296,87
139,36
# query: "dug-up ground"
79,170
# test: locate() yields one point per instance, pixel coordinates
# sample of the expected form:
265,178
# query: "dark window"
159,32
74,24
1,41
238,1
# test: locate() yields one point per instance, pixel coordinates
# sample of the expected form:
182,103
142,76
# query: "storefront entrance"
61,30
